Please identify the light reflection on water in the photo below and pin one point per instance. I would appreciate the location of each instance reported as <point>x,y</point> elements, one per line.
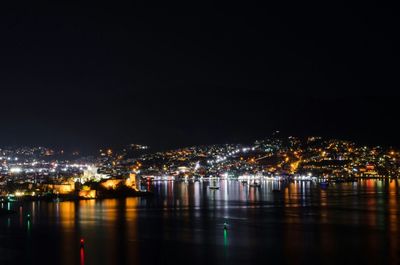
<point>278,222</point>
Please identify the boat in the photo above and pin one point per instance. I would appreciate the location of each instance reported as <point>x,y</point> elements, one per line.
<point>324,184</point>
<point>56,198</point>
<point>213,184</point>
<point>255,184</point>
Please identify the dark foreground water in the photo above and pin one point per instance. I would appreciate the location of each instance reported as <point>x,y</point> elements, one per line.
<point>349,223</point>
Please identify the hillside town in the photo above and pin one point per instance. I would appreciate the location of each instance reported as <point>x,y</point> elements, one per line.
<point>44,173</point>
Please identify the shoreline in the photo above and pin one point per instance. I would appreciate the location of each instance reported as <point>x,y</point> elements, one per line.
<point>71,197</point>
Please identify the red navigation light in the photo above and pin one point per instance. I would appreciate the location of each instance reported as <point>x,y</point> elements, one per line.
<point>82,242</point>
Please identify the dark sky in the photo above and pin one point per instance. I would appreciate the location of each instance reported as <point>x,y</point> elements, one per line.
<point>79,75</point>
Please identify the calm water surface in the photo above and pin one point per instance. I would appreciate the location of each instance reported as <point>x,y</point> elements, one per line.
<point>349,223</point>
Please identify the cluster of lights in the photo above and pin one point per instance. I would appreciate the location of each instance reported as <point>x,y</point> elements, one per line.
<point>224,158</point>
<point>9,158</point>
<point>17,169</point>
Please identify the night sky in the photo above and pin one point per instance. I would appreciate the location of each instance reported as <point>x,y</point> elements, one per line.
<point>83,76</point>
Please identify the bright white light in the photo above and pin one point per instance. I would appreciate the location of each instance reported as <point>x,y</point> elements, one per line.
<point>15,170</point>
